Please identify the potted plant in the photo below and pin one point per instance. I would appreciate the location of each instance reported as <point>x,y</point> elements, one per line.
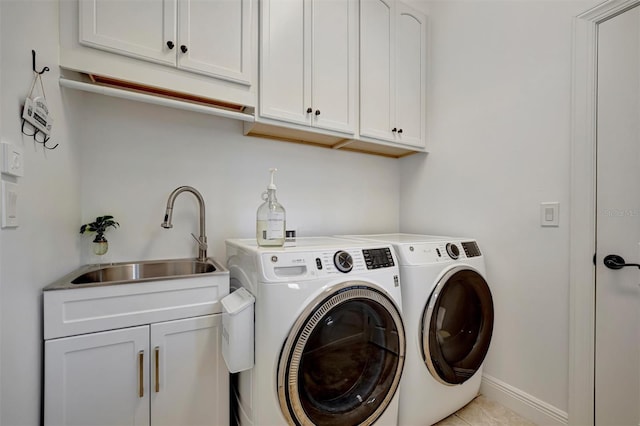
<point>100,226</point>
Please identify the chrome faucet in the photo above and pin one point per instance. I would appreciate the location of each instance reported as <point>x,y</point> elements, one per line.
<point>202,239</point>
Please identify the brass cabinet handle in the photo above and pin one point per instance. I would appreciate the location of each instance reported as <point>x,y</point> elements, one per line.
<point>141,374</point>
<point>157,350</point>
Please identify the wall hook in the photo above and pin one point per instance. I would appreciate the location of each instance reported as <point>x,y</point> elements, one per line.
<point>33,57</point>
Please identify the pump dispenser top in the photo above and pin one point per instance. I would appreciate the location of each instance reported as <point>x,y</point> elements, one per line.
<point>270,218</point>
<point>271,184</point>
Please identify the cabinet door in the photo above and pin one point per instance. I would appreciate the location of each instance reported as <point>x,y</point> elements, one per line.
<point>333,64</point>
<point>189,379</point>
<point>282,70</point>
<point>136,28</point>
<point>97,379</point>
<point>214,38</point>
<point>410,75</point>
<point>377,78</point>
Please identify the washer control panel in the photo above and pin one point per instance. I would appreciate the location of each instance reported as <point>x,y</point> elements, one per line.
<point>378,258</point>
<point>313,264</point>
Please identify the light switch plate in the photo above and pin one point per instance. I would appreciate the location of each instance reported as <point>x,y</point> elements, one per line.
<point>550,214</point>
<point>10,193</point>
<point>12,161</point>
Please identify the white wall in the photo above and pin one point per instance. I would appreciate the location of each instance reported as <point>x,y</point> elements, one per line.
<point>133,155</point>
<point>498,119</point>
<point>45,246</point>
<point>499,142</point>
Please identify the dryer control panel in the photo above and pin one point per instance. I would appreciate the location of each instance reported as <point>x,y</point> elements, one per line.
<point>434,252</point>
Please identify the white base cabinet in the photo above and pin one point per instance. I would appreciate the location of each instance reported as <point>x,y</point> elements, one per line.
<point>167,373</point>
<point>95,378</point>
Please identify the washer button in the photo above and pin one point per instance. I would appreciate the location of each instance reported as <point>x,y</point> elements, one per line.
<point>318,263</point>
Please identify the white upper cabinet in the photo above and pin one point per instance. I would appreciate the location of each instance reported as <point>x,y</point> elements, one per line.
<point>377,73</point>
<point>204,36</point>
<point>214,38</point>
<point>203,49</point>
<point>411,80</point>
<point>392,72</point>
<point>139,29</point>
<point>308,63</point>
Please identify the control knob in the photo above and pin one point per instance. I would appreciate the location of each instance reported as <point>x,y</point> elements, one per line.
<point>343,261</point>
<point>453,251</point>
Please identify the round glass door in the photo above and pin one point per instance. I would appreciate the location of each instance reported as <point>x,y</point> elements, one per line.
<point>342,361</point>
<point>456,326</point>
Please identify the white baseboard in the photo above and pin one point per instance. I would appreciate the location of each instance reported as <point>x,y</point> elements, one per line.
<point>525,405</point>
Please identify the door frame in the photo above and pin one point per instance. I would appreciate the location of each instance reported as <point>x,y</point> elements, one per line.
<point>582,232</point>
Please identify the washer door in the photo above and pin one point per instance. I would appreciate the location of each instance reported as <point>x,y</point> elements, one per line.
<point>342,361</point>
<point>456,325</point>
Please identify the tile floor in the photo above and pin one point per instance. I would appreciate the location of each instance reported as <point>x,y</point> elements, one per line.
<point>484,412</point>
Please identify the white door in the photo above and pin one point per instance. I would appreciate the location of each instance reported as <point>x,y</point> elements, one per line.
<point>214,38</point>
<point>282,61</point>
<point>617,354</point>
<point>143,29</point>
<point>189,379</point>
<point>377,73</point>
<point>333,64</point>
<point>410,75</point>
<point>97,379</point>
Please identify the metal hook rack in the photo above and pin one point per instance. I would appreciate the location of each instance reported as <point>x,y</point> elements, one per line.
<point>33,57</point>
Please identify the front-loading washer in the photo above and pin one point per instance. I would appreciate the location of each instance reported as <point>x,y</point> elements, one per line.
<point>448,315</point>
<point>329,335</point>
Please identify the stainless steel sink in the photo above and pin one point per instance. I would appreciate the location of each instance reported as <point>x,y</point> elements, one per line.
<point>129,272</point>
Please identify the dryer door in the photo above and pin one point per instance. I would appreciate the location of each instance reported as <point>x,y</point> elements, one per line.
<point>456,325</point>
<point>342,361</point>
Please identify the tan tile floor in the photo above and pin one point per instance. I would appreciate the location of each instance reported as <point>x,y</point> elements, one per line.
<point>484,412</point>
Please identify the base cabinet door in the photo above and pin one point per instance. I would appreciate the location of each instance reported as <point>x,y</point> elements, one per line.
<point>189,378</point>
<point>98,379</point>
<point>168,373</point>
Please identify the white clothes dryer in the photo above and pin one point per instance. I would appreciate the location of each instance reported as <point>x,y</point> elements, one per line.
<point>448,315</point>
<point>329,336</point>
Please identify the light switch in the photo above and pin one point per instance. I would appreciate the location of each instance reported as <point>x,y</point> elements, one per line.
<point>12,162</point>
<point>9,204</point>
<point>550,214</point>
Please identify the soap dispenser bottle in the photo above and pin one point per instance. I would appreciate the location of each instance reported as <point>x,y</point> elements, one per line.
<point>270,225</point>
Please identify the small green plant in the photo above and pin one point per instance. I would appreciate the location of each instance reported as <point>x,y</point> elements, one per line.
<point>99,226</point>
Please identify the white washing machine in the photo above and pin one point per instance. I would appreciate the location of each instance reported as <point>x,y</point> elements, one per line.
<point>329,336</point>
<point>448,315</point>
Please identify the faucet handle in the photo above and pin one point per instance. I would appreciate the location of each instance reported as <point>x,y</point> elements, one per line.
<point>201,244</point>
